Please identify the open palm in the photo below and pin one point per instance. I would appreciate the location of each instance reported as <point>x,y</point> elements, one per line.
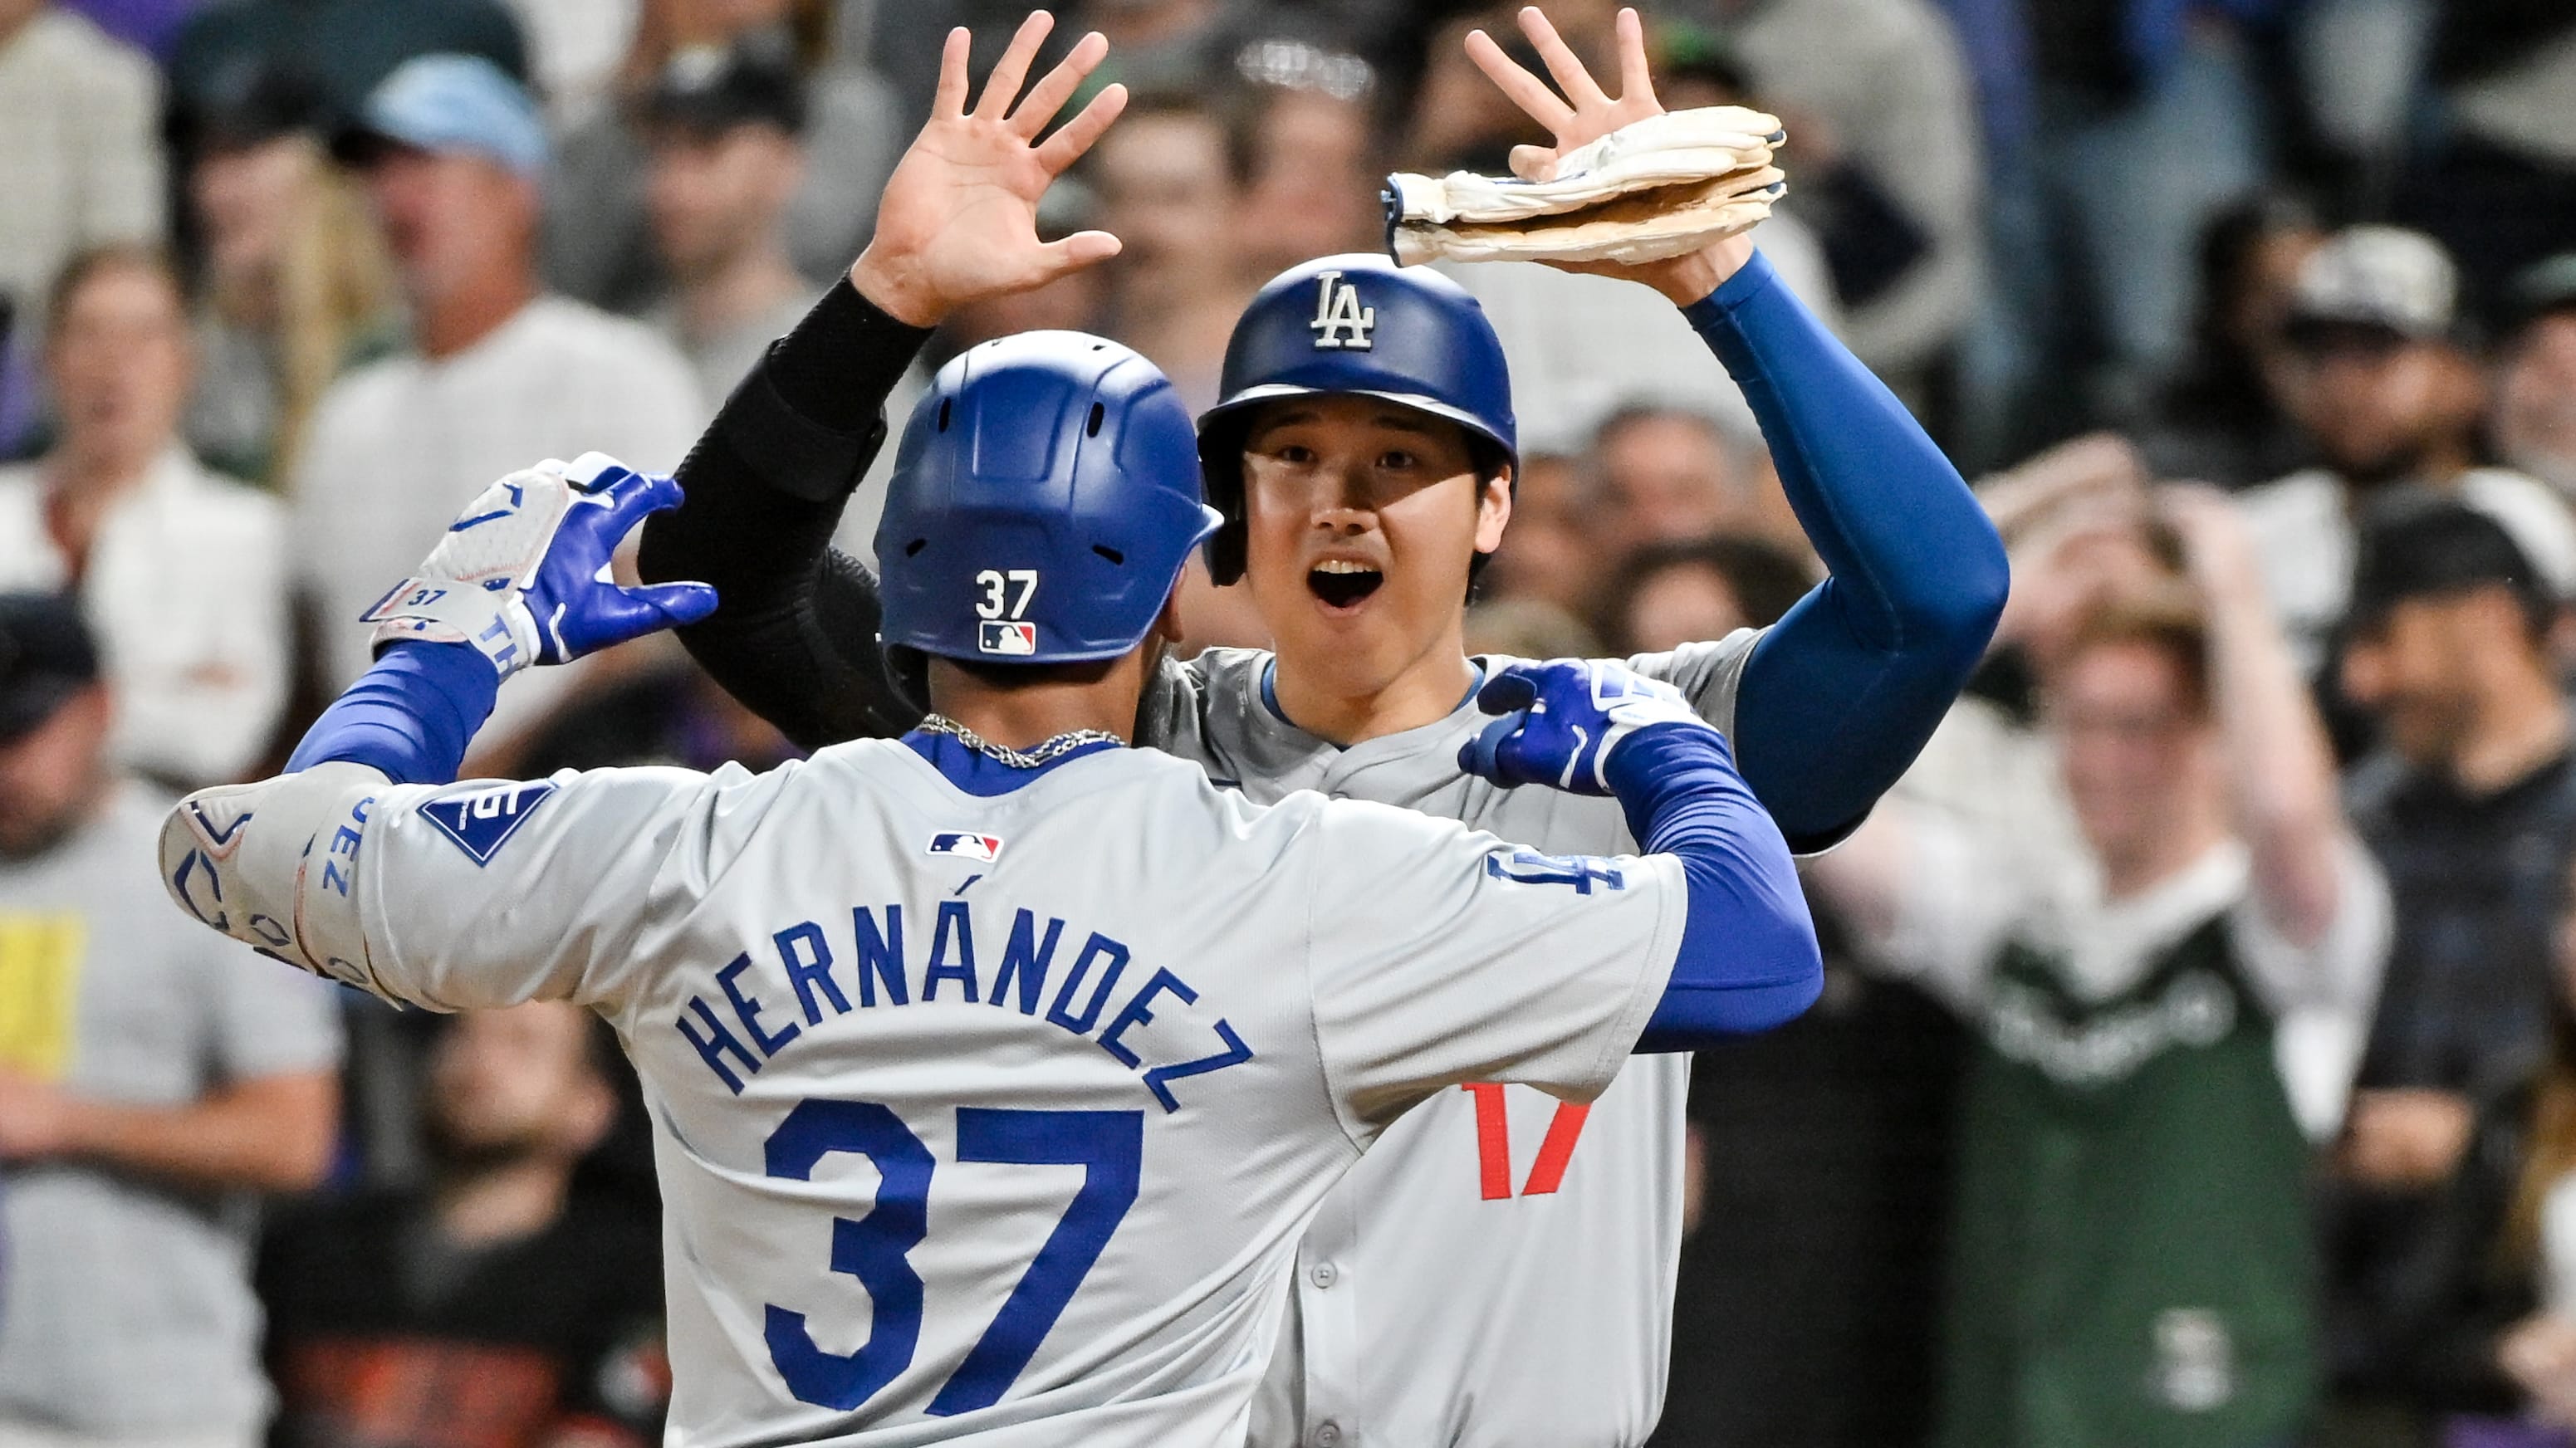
<point>1584,114</point>
<point>958,222</point>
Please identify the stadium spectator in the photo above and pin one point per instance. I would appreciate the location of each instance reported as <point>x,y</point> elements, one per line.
<point>151,1081</point>
<point>498,1306</point>
<point>81,165</point>
<point>2166,1017</point>
<point>2219,419</point>
<point>2521,1171</point>
<point>2391,404</point>
<point>181,571</point>
<point>1168,194</point>
<point>1550,555</point>
<point>599,239</point>
<point>1306,164</point>
<point>1669,594</point>
<point>2472,811</point>
<point>2535,406</point>
<point>296,286</point>
<point>576,48</point>
<point>2482,1349</point>
<point>1661,475</point>
<point>79,153</point>
<point>342,49</point>
<point>496,377</point>
<point>726,162</point>
<point>2147,121</point>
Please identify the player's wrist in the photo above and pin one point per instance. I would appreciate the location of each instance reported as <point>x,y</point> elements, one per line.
<point>1687,280</point>
<point>897,288</point>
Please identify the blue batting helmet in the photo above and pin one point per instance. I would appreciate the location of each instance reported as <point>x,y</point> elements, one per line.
<point>1356,323</point>
<point>1044,500</point>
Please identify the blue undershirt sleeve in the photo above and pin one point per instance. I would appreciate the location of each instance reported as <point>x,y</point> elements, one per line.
<point>410,717</point>
<point>1748,959</point>
<point>1840,694</point>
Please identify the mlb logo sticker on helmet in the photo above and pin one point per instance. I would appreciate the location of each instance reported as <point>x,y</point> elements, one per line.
<point>1002,636</point>
<point>986,848</point>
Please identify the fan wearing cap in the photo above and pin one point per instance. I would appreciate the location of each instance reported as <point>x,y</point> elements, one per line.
<point>726,135</point>
<point>151,1079</point>
<point>1363,456</point>
<point>454,156</point>
<point>2377,379</point>
<point>2471,809</point>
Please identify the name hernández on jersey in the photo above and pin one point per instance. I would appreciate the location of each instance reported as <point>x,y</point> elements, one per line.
<point>817,970</point>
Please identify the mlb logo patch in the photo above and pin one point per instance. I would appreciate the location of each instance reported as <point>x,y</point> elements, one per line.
<point>1002,636</point>
<point>986,848</point>
<point>482,822</point>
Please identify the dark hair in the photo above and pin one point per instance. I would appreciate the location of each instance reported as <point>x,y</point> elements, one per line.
<point>2221,379</point>
<point>1765,578</point>
<point>2443,547</point>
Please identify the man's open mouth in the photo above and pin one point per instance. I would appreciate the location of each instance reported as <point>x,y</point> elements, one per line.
<point>1341,583</point>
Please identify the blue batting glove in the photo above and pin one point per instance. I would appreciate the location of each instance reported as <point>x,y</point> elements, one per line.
<point>1562,720</point>
<point>522,573</point>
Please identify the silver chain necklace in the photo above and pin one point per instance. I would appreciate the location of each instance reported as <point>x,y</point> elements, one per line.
<point>1052,750</point>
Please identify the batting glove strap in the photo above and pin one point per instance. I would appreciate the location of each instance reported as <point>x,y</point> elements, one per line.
<point>1561,722</point>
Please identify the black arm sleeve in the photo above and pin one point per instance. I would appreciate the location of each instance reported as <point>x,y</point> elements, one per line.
<point>794,634</point>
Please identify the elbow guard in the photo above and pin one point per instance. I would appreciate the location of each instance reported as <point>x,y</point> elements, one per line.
<point>271,865</point>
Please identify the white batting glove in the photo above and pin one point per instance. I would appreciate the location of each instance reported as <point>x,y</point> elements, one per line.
<point>522,573</point>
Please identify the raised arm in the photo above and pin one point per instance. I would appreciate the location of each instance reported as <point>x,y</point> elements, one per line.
<point>2281,783</point>
<point>1841,694</point>
<point>518,579</point>
<point>795,640</point>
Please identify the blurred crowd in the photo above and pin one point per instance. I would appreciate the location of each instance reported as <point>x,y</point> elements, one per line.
<point>2219,955</point>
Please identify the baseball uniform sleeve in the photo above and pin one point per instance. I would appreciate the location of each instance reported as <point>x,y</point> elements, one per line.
<point>1708,674</point>
<point>488,893</point>
<point>1439,955</point>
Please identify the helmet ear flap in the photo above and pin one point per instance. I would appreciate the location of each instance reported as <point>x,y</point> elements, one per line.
<point>1225,552</point>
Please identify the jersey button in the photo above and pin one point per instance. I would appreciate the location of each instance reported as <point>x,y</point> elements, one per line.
<point>1327,1434</point>
<point>1323,1274</point>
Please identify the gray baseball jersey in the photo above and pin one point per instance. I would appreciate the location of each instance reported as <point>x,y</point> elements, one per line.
<point>1498,1271</point>
<point>981,1117</point>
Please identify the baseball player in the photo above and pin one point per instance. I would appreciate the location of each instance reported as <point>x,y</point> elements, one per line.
<point>993,1072</point>
<point>1500,1271</point>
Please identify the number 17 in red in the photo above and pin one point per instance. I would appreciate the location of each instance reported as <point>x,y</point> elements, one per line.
<point>1494,1144</point>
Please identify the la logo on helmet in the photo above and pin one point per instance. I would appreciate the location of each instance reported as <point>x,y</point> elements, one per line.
<point>1341,323</point>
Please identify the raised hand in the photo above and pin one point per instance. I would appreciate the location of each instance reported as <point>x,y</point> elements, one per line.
<point>1585,113</point>
<point>958,221</point>
<point>520,573</point>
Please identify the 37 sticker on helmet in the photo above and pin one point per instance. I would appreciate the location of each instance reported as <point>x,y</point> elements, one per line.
<point>482,822</point>
<point>986,848</point>
<point>1341,323</point>
<point>1002,636</point>
<point>1006,592</point>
